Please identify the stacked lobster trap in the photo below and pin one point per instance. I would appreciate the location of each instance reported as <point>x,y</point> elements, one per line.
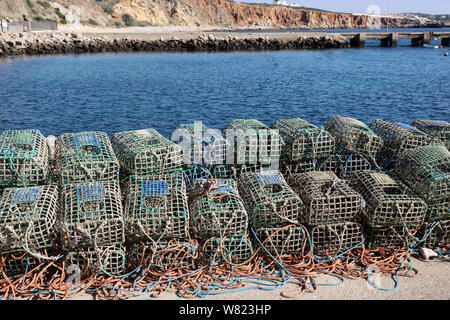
<point>356,145</point>
<point>397,137</point>
<point>91,226</point>
<point>437,129</point>
<point>392,214</point>
<point>331,210</point>
<point>219,221</point>
<point>426,170</point>
<point>274,209</point>
<point>302,145</point>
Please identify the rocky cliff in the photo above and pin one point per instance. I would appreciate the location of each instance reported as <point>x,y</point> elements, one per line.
<point>207,13</point>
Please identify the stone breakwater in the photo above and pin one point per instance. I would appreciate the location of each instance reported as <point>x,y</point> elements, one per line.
<point>57,43</point>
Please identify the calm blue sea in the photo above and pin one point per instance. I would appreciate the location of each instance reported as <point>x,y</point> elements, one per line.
<point>116,92</point>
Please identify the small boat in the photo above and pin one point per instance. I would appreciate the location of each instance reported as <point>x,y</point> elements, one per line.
<point>430,46</point>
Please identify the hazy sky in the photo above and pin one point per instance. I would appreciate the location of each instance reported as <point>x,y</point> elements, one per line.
<point>360,6</point>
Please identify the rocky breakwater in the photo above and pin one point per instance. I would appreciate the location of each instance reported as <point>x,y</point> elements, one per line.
<point>64,43</point>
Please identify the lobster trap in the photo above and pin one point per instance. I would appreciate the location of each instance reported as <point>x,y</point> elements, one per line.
<point>226,250</point>
<point>344,165</point>
<point>195,173</point>
<point>326,199</point>
<point>353,136</point>
<point>144,152</point>
<point>28,218</point>
<point>269,200</point>
<point>289,240</point>
<point>252,142</point>
<point>217,210</point>
<point>20,263</point>
<point>288,168</point>
<point>389,238</point>
<point>156,206</point>
<point>201,145</point>
<point>104,259</point>
<point>234,171</point>
<point>399,137</point>
<point>165,254</point>
<point>336,237</point>
<point>426,170</point>
<point>435,128</point>
<point>302,140</point>
<point>85,156</point>
<point>388,203</point>
<point>92,215</point>
<point>436,234</point>
<point>24,158</point>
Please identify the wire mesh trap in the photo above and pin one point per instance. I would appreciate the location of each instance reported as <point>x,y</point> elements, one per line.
<point>19,263</point>
<point>288,168</point>
<point>302,140</point>
<point>252,142</point>
<point>353,136</point>
<point>86,156</point>
<point>344,165</point>
<point>398,137</point>
<point>436,234</point>
<point>269,200</point>
<point>289,240</point>
<point>201,145</point>
<point>165,254</point>
<point>336,237</point>
<point>144,152</point>
<point>157,206</point>
<point>426,170</point>
<point>234,171</point>
<point>435,128</point>
<point>92,215</point>
<point>217,210</point>
<point>389,238</point>
<point>388,203</point>
<point>24,158</point>
<point>195,173</point>
<point>326,199</point>
<point>226,250</point>
<point>28,218</point>
<point>104,259</point>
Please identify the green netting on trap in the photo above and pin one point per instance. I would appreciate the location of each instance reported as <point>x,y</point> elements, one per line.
<point>325,197</point>
<point>388,203</point>
<point>234,171</point>
<point>435,128</point>
<point>426,170</point>
<point>252,142</point>
<point>156,206</point>
<point>288,168</point>
<point>195,173</point>
<point>104,259</point>
<point>353,136</point>
<point>217,210</point>
<point>336,237</point>
<point>398,137</point>
<point>344,165</point>
<point>165,254</point>
<point>269,200</point>
<point>302,140</point>
<point>92,215</point>
<point>226,250</point>
<point>201,145</point>
<point>389,238</point>
<point>28,218</point>
<point>144,152</point>
<point>24,158</point>
<point>437,234</point>
<point>282,241</point>
<point>20,263</point>
<point>86,156</point>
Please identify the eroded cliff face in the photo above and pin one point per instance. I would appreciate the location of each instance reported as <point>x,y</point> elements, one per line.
<point>208,13</point>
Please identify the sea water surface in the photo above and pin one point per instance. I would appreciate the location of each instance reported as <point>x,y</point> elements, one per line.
<point>117,92</point>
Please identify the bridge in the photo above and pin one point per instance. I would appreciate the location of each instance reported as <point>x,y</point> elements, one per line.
<point>388,39</point>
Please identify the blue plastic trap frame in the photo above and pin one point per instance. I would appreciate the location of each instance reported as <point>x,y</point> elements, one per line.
<point>26,195</point>
<point>264,179</point>
<point>154,188</point>
<point>86,139</point>
<point>90,192</point>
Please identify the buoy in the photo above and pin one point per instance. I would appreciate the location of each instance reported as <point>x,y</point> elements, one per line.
<point>440,47</point>
<point>446,54</point>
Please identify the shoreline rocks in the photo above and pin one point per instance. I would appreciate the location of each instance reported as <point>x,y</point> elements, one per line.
<point>38,43</point>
